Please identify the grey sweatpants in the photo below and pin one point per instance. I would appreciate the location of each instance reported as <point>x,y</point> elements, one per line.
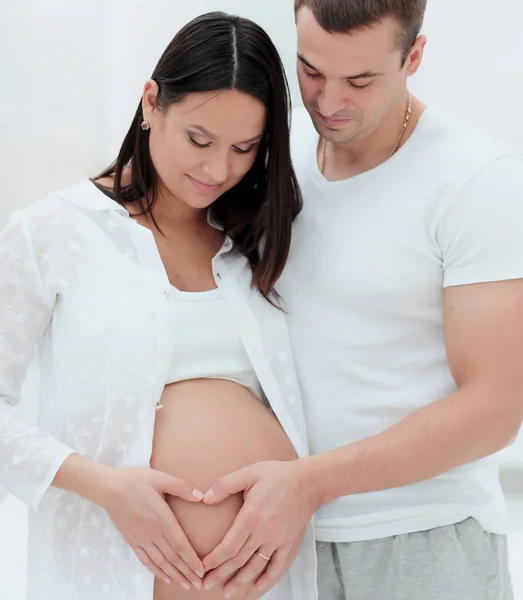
<point>456,562</point>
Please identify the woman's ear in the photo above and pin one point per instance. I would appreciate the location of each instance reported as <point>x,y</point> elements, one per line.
<point>149,100</point>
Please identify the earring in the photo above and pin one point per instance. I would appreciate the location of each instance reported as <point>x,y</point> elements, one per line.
<point>145,125</point>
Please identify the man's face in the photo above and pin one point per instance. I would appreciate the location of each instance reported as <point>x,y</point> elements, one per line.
<point>349,82</point>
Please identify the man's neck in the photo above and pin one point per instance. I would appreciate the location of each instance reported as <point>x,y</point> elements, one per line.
<point>345,160</point>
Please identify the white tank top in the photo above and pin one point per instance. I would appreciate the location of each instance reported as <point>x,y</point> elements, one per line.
<point>208,343</point>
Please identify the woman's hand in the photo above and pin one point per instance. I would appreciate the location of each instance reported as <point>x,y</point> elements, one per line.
<point>134,498</point>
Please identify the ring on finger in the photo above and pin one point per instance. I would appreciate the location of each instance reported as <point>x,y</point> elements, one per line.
<point>267,558</point>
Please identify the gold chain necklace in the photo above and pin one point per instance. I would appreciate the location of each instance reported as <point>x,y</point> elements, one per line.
<point>323,149</point>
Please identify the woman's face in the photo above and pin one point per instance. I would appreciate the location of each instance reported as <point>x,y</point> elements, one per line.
<point>203,146</point>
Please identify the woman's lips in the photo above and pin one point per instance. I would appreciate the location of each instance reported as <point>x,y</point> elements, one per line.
<point>206,188</point>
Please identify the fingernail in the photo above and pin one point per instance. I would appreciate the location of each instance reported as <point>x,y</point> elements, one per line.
<point>197,585</point>
<point>167,581</point>
<point>230,593</point>
<point>186,586</point>
<point>200,574</point>
<point>208,586</point>
<point>197,494</point>
<point>209,495</point>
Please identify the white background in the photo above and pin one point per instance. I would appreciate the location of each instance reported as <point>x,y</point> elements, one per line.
<point>71,74</point>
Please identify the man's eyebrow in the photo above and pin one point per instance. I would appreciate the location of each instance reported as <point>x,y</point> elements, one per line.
<point>256,138</point>
<point>307,63</point>
<point>364,75</point>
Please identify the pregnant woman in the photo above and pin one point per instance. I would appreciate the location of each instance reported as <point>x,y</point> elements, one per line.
<point>164,358</point>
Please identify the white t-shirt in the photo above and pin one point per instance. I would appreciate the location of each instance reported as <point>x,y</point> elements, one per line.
<point>208,343</point>
<point>370,258</point>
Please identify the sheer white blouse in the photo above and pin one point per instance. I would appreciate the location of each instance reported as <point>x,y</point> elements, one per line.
<point>84,283</point>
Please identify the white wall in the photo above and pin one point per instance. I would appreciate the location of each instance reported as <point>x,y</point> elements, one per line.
<point>71,76</point>
<point>50,96</point>
<point>474,63</point>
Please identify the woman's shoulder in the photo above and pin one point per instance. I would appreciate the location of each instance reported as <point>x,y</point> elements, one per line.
<point>65,213</point>
<point>47,213</point>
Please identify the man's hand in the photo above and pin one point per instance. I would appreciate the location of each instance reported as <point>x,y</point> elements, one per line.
<point>279,503</point>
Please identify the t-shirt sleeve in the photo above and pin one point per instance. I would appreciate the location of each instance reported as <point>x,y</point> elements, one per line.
<point>481,233</point>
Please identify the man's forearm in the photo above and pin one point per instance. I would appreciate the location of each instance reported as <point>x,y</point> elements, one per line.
<point>456,430</point>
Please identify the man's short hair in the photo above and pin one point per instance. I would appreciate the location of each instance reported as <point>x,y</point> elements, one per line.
<point>344,16</point>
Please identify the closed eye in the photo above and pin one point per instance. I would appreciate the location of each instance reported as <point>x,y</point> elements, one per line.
<point>209,144</point>
<point>311,75</point>
<point>195,143</point>
<point>242,151</point>
<point>360,87</point>
<point>352,85</point>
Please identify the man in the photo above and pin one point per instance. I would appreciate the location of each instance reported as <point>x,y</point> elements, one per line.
<point>405,299</point>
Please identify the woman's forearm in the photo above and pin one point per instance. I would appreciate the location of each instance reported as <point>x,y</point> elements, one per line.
<point>84,477</point>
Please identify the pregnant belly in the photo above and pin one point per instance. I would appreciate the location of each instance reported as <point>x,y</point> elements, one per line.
<point>208,428</point>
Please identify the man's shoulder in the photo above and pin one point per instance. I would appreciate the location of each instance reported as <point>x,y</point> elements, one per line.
<point>455,143</point>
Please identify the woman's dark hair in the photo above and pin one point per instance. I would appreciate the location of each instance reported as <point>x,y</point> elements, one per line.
<point>217,51</point>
